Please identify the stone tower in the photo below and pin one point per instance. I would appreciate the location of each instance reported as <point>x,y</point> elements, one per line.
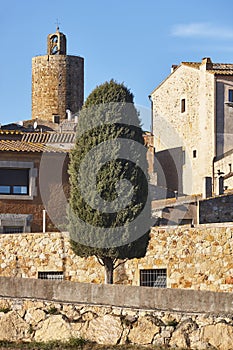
<point>57,81</point>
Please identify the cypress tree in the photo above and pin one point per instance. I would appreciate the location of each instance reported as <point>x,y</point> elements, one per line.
<point>109,210</point>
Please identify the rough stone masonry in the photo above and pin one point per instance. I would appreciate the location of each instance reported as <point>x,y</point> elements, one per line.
<point>34,312</point>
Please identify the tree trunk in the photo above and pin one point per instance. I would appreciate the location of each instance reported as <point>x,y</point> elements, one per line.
<point>109,267</point>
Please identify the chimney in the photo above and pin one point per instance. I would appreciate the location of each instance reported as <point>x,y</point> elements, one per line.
<point>173,67</point>
<point>206,63</point>
<point>69,115</point>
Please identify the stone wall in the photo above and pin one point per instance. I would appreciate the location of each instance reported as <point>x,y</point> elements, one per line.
<point>197,258</point>
<point>216,209</point>
<point>33,310</point>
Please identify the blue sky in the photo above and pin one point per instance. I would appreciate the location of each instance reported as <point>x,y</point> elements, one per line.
<point>131,41</point>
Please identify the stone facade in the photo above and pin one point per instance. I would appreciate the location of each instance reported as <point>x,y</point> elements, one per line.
<point>224,114</point>
<point>191,124</point>
<point>217,209</point>
<point>197,258</point>
<point>57,84</point>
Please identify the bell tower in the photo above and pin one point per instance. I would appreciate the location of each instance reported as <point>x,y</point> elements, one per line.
<point>57,81</point>
<point>56,43</point>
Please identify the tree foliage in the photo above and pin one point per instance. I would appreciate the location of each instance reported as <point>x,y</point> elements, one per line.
<point>109,92</point>
<point>112,190</point>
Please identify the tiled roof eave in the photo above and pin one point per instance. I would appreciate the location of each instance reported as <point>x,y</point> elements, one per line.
<point>22,146</point>
<point>223,72</point>
<point>10,132</point>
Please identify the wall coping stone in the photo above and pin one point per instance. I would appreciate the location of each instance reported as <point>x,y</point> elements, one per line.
<point>179,300</point>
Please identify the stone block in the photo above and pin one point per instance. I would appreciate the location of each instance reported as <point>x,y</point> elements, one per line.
<point>143,331</point>
<point>105,330</point>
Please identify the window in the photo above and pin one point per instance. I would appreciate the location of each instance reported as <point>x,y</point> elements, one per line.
<point>55,39</point>
<point>13,229</point>
<point>194,153</point>
<point>230,95</point>
<point>55,50</point>
<point>17,180</point>
<point>153,278</point>
<point>183,105</point>
<point>50,275</point>
<point>15,223</point>
<point>14,181</point>
<point>56,119</point>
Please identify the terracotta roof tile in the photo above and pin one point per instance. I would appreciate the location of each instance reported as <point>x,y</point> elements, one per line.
<point>217,68</point>
<point>10,132</point>
<point>221,71</point>
<point>22,146</point>
<point>192,64</point>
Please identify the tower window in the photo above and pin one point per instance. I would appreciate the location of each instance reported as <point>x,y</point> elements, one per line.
<point>194,153</point>
<point>183,105</point>
<point>230,95</point>
<point>55,39</point>
<point>55,50</point>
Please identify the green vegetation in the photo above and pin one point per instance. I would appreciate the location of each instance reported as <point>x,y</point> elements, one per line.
<point>73,344</point>
<point>109,92</point>
<point>172,323</point>
<point>5,310</point>
<point>103,210</point>
<point>53,311</point>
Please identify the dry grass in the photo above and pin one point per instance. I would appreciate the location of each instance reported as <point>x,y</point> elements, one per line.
<point>75,344</point>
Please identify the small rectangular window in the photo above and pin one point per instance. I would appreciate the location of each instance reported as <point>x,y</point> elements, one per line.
<point>20,189</point>
<point>12,229</point>
<point>230,95</point>
<point>194,153</point>
<point>5,189</point>
<point>50,275</point>
<point>56,119</point>
<point>153,278</point>
<point>183,105</point>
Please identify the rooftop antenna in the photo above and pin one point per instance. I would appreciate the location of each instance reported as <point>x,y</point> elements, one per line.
<point>57,24</point>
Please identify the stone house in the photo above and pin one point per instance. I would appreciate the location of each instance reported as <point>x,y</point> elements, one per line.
<point>192,126</point>
<point>22,158</point>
